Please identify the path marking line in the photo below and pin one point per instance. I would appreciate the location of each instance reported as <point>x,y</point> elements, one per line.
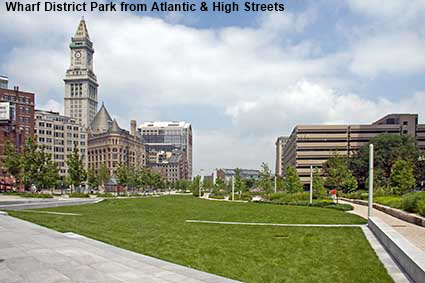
<point>275,224</point>
<point>51,212</point>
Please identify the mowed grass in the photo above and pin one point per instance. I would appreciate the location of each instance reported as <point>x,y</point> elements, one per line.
<point>157,227</point>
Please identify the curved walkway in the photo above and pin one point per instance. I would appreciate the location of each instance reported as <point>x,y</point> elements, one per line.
<point>413,233</point>
<point>31,253</point>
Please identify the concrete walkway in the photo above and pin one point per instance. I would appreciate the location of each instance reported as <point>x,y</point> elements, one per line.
<point>31,253</point>
<point>413,233</point>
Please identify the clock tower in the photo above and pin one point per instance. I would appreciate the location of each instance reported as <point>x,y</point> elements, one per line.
<point>80,81</point>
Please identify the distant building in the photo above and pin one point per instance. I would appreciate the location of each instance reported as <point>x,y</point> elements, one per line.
<point>80,81</point>
<point>168,137</point>
<point>59,135</point>
<point>280,144</point>
<point>110,145</point>
<point>16,118</point>
<point>227,174</point>
<point>312,145</point>
<point>4,82</point>
<point>171,165</point>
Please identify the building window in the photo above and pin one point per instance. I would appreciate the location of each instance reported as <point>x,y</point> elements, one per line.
<point>405,122</point>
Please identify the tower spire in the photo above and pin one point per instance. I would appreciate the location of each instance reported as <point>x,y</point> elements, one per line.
<point>82,31</point>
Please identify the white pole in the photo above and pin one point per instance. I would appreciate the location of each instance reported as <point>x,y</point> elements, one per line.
<point>233,188</point>
<point>311,185</point>
<point>200,181</point>
<point>370,204</point>
<point>275,183</point>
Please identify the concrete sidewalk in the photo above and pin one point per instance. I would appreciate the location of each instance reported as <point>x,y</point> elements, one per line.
<point>31,253</point>
<point>413,233</point>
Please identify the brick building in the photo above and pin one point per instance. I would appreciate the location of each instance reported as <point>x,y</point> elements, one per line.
<point>16,118</point>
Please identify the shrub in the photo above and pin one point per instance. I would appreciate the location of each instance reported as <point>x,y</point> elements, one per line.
<point>216,197</point>
<point>410,201</point>
<point>392,201</point>
<point>105,195</point>
<point>79,195</point>
<point>421,207</point>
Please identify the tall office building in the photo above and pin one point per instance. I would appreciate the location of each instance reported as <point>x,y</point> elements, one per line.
<point>280,144</point>
<point>169,137</point>
<point>313,145</point>
<point>80,81</point>
<point>59,135</point>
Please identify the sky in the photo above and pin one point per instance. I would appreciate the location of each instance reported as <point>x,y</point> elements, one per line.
<point>241,79</point>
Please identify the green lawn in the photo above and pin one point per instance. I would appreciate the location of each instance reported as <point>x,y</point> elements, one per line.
<point>157,227</point>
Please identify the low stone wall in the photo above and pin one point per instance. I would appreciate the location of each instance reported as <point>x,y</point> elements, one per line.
<point>410,258</point>
<point>400,214</point>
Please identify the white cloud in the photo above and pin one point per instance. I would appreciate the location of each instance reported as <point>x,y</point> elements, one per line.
<point>401,53</point>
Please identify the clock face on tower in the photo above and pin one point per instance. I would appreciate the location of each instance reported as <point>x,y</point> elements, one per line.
<point>78,54</point>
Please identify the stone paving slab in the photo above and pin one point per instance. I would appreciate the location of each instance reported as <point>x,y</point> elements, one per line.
<point>32,253</point>
<point>413,233</point>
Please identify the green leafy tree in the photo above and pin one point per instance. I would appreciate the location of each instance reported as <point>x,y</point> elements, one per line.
<point>319,190</point>
<point>220,186</point>
<point>402,178</point>
<point>194,188</point>
<point>280,183</point>
<point>249,183</point>
<point>208,184</point>
<point>265,181</point>
<point>388,149</point>
<point>103,175</point>
<point>238,180</point>
<point>122,173</point>
<point>92,179</point>
<point>51,177</point>
<point>292,180</point>
<point>30,164</point>
<point>13,162</point>
<point>338,175</point>
<point>76,172</point>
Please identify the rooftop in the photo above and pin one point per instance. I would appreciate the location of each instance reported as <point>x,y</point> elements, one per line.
<point>165,124</point>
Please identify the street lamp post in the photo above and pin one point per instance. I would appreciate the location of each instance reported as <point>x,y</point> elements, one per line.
<point>370,198</point>
<point>233,188</point>
<point>311,185</point>
<point>201,183</point>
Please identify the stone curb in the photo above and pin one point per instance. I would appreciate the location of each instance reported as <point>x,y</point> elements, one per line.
<point>408,256</point>
<point>398,213</point>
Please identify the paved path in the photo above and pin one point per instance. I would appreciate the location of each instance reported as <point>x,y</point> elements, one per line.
<point>31,253</point>
<point>414,233</point>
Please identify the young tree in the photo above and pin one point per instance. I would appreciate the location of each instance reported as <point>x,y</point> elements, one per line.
<point>51,175</point>
<point>103,175</point>
<point>292,181</point>
<point>338,175</point>
<point>402,177</point>
<point>76,172</point>
<point>319,189</point>
<point>13,162</point>
<point>30,164</point>
<point>238,180</point>
<point>196,183</point>
<point>122,173</point>
<point>92,179</point>
<point>280,183</point>
<point>265,181</point>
